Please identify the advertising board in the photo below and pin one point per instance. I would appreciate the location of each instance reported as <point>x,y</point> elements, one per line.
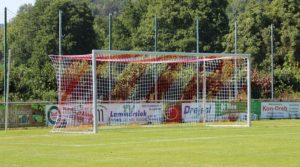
<point>280,110</point>
<point>123,113</point>
<point>193,112</point>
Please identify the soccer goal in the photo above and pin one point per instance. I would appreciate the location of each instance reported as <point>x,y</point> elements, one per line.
<point>151,88</point>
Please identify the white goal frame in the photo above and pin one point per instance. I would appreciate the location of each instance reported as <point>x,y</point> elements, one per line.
<point>95,101</point>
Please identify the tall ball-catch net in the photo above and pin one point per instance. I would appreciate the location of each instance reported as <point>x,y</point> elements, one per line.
<point>126,87</point>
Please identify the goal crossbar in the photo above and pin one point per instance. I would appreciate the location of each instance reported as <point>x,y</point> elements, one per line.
<point>117,52</point>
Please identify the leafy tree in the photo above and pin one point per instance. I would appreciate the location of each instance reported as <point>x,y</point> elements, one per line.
<point>40,38</point>
<point>254,37</point>
<point>286,16</point>
<point>236,7</point>
<point>253,33</point>
<point>101,9</point>
<point>21,32</point>
<point>176,24</point>
<point>101,30</point>
<point>104,7</point>
<point>33,34</point>
<point>127,23</point>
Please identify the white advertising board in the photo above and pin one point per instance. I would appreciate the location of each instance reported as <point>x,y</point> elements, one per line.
<point>193,112</point>
<point>117,113</point>
<point>120,113</point>
<point>280,110</point>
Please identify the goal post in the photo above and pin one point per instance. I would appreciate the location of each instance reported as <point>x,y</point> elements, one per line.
<point>135,87</point>
<point>94,108</point>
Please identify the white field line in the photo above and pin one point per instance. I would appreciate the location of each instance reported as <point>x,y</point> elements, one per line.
<point>190,139</point>
<point>25,137</point>
<point>149,129</point>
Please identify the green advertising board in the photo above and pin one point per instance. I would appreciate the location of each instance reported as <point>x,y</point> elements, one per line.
<point>256,107</point>
<point>230,107</point>
<point>223,108</point>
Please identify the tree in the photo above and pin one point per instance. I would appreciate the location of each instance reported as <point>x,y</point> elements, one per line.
<point>254,33</point>
<point>40,38</point>
<point>176,24</point>
<point>22,31</point>
<point>104,7</point>
<point>285,16</point>
<point>254,38</point>
<point>127,23</point>
<point>101,9</point>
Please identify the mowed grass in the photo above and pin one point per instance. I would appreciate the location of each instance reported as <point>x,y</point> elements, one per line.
<point>266,143</point>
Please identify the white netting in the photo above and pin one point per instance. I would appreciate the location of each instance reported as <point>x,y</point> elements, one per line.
<point>151,88</point>
<point>75,93</point>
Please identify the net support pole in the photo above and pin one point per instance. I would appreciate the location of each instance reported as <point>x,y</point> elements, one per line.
<point>7,91</point>
<point>60,32</point>
<point>94,108</point>
<point>204,91</point>
<point>155,49</point>
<point>109,31</point>
<point>249,92</point>
<point>197,66</point>
<point>109,47</point>
<point>235,63</point>
<point>155,33</point>
<point>59,51</point>
<point>197,35</point>
<point>5,66</point>
<point>272,63</point>
<point>5,52</point>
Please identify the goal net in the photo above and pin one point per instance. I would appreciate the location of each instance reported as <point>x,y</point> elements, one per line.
<point>128,87</point>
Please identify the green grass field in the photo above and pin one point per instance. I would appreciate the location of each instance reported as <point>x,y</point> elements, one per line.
<point>266,143</point>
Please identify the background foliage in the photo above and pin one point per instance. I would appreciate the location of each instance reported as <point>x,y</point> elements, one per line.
<point>33,35</point>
